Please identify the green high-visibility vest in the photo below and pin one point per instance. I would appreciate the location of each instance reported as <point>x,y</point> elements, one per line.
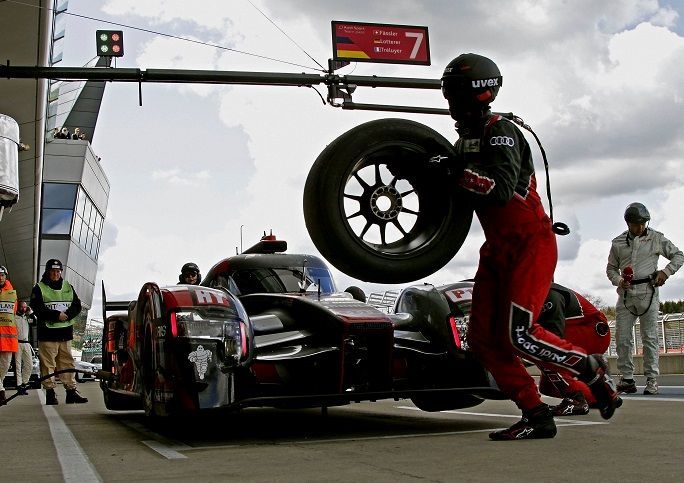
<point>57,300</point>
<point>8,300</point>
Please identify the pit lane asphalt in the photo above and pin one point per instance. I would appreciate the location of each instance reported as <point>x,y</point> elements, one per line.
<point>383,441</point>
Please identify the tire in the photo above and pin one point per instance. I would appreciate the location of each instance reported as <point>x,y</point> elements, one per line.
<point>432,403</point>
<point>381,206</point>
<point>357,293</point>
<point>148,378</point>
<point>117,402</point>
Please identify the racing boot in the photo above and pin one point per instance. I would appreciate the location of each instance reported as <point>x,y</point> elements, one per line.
<point>536,423</point>
<point>598,378</point>
<point>50,397</point>
<point>3,399</point>
<point>575,405</point>
<point>73,397</point>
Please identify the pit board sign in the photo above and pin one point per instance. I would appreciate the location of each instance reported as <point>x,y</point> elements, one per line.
<point>374,42</point>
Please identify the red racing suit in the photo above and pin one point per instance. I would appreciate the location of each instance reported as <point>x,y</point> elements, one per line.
<point>517,262</point>
<point>567,314</point>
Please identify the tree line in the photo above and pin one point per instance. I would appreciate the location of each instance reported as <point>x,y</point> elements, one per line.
<point>666,307</point>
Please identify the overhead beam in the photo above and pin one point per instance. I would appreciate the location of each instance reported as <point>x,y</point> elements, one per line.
<point>338,85</point>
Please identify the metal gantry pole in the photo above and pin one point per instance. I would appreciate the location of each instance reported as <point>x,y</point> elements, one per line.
<point>339,87</point>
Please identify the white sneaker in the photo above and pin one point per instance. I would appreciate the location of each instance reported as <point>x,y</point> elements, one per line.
<point>651,387</point>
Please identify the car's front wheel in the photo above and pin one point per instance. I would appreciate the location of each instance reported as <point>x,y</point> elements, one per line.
<point>434,403</point>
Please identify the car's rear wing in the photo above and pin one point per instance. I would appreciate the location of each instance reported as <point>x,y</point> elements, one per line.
<point>112,306</point>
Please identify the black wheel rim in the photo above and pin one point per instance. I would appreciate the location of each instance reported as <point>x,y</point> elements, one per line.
<point>391,201</point>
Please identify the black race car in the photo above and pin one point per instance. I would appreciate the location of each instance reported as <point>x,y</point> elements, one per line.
<point>267,328</point>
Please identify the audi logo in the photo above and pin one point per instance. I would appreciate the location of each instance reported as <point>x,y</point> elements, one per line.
<point>501,141</point>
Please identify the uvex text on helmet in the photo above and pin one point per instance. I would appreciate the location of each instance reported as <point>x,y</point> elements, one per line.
<point>471,79</point>
<point>637,213</point>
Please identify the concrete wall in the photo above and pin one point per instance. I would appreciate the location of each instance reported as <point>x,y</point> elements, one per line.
<point>669,364</point>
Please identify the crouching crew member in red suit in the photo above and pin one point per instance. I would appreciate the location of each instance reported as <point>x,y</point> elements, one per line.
<point>572,317</point>
<point>518,257</point>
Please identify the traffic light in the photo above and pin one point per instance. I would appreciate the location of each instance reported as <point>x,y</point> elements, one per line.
<point>109,43</point>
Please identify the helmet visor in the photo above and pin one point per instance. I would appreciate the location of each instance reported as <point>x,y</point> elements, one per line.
<point>460,85</point>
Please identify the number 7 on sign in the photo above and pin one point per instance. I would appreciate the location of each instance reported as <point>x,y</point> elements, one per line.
<point>419,40</point>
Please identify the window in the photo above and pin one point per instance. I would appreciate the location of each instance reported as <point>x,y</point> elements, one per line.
<point>88,222</point>
<point>58,208</point>
<point>56,222</point>
<point>67,210</point>
<point>59,195</point>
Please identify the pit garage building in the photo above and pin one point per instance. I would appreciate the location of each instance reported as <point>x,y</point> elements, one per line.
<point>63,189</point>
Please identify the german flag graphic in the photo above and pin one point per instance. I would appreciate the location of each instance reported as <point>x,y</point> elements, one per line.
<point>346,48</point>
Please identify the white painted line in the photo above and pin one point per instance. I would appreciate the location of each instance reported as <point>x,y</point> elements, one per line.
<point>658,398</point>
<point>75,464</point>
<point>168,448</point>
<point>345,440</point>
<point>166,451</point>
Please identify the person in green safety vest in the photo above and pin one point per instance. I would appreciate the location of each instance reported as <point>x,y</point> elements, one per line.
<point>8,328</point>
<point>55,304</point>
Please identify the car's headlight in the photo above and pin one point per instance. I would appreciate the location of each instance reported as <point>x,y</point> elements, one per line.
<point>231,331</point>
<point>192,324</point>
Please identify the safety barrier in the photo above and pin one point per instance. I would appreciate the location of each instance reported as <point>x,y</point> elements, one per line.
<point>383,301</point>
<point>670,335</point>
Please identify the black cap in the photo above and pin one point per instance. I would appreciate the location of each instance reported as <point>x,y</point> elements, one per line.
<point>53,263</point>
<point>3,269</point>
<point>190,267</point>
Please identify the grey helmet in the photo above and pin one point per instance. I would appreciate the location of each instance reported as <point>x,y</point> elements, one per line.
<point>637,213</point>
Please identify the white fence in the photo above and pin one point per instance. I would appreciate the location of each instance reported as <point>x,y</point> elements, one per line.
<point>383,301</point>
<point>670,335</point>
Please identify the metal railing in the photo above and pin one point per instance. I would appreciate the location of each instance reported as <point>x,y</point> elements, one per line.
<point>670,335</point>
<point>384,301</point>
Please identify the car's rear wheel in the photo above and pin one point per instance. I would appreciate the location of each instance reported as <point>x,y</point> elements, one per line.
<point>380,205</point>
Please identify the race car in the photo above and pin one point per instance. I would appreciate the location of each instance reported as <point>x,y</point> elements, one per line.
<point>267,328</point>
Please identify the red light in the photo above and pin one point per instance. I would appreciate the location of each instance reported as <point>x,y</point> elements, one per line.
<point>115,37</point>
<point>174,325</point>
<point>454,331</point>
<point>243,340</point>
<point>116,49</point>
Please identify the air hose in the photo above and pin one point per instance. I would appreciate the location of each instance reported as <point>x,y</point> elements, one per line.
<point>559,228</point>
<point>99,374</point>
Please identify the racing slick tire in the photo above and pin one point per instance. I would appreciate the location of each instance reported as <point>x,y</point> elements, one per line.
<point>434,403</point>
<point>148,378</point>
<point>380,203</point>
<point>117,402</point>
